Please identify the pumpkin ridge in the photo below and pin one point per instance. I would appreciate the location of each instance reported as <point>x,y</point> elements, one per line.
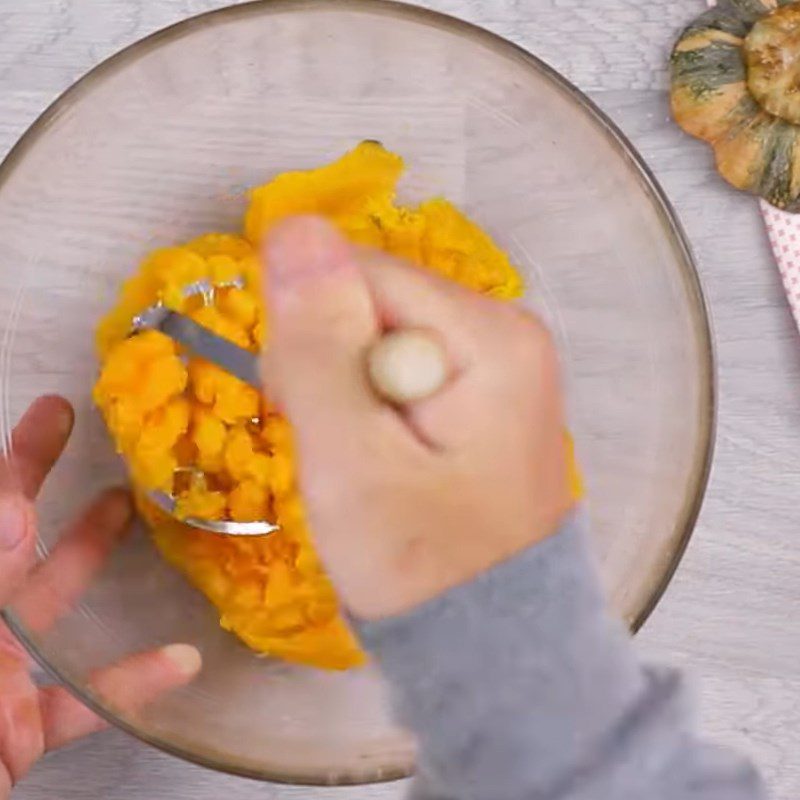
<point>704,37</point>
<point>725,16</point>
<point>751,11</point>
<point>775,179</point>
<point>706,68</point>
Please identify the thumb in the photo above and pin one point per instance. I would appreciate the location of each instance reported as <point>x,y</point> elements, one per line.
<point>17,543</point>
<point>321,322</point>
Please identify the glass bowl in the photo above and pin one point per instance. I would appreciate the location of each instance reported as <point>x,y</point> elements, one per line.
<point>160,143</point>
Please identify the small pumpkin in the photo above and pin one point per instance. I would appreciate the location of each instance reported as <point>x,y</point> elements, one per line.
<point>735,82</point>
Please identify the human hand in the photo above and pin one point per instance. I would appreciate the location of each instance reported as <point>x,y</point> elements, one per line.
<point>408,502</point>
<point>34,720</point>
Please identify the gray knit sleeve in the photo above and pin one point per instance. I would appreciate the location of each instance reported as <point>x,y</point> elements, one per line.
<point>519,686</point>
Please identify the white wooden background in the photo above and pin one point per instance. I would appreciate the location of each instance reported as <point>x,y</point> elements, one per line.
<point>730,616</point>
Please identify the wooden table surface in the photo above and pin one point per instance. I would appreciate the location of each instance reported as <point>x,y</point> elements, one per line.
<point>730,615</point>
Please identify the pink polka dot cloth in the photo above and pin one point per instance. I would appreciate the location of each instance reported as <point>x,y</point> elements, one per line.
<point>783,230</point>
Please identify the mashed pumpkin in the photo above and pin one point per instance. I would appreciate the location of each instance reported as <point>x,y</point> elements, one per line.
<point>186,427</point>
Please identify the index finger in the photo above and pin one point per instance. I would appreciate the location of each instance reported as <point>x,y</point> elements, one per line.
<point>36,443</point>
<point>56,584</point>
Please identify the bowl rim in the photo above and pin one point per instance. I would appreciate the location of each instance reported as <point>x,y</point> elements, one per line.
<point>701,468</point>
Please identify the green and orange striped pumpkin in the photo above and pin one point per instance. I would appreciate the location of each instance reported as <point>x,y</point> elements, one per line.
<point>735,82</point>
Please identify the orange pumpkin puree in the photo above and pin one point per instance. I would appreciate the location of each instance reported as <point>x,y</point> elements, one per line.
<point>165,412</point>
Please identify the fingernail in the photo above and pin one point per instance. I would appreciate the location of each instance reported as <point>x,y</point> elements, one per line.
<point>301,249</point>
<point>59,412</point>
<point>13,522</point>
<point>65,419</point>
<point>117,510</point>
<point>185,657</point>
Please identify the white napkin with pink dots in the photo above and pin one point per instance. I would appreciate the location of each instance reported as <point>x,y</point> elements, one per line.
<point>783,230</point>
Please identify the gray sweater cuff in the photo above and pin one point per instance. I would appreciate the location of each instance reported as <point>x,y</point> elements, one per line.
<point>527,641</point>
<point>519,686</point>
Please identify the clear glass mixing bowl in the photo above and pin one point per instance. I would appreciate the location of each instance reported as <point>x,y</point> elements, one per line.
<point>160,142</point>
